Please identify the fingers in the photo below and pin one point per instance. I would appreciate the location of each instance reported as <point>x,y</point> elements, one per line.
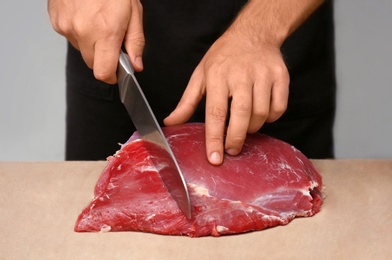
<point>240,114</point>
<point>279,96</point>
<point>252,107</point>
<point>106,59</point>
<point>216,113</point>
<point>261,104</point>
<point>107,50</point>
<point>134,40</point>
<point>193,94</point>
<point>102,56</point>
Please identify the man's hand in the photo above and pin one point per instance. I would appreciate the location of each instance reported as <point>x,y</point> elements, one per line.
<point>245,65</point>
<point>254,76</point>
<point>98,28</point>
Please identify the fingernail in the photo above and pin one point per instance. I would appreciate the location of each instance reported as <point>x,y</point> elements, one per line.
<point>215,158</point>
<point>232,151</point>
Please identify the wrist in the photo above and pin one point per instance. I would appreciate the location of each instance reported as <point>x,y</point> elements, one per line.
<point>272,21</point>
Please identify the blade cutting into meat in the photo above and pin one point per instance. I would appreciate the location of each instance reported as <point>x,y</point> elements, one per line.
<point>268,184</point>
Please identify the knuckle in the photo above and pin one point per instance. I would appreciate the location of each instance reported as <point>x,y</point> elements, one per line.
<point>215,68</point>
<point>79,28</point>
<point>214,142</point>
<point>261,114</point>
<point>57,28</point>
<point>236,140</point>
<point>215,139</point>
<point>257,120</point>
<point>280,108</point>
<point>281,71</point>
<point>240,108</point>
<point>104,76</point>
<point>218,113</point>
<point>60,26</point>
<point>138,39</point>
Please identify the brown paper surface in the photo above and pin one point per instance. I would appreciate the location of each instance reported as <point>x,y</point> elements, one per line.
<point>40,201</point>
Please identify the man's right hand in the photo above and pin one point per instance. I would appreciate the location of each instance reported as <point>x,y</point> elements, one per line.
<point>98,28</point>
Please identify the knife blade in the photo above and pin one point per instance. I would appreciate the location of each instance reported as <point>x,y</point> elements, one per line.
<point>147,125</point>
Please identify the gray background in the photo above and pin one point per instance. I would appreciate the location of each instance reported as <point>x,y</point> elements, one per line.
<point>32,81</point>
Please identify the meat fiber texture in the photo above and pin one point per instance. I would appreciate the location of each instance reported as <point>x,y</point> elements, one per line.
<point>268,184</point>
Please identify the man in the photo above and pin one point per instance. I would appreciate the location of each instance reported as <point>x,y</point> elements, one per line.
<point>228,51</point>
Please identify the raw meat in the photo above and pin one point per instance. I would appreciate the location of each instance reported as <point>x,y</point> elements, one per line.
<point>268,184</point>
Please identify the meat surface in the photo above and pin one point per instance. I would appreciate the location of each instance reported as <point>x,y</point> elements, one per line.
<point>268,184</point>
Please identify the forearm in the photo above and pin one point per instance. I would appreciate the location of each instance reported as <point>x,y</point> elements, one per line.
<point>272,21</point>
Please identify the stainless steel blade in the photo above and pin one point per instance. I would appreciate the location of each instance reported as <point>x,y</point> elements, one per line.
<point>146,124</point>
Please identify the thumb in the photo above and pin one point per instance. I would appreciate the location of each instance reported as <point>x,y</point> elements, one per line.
<point>134,38</point>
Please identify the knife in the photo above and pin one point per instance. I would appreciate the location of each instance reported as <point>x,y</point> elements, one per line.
<point>147,125</point>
